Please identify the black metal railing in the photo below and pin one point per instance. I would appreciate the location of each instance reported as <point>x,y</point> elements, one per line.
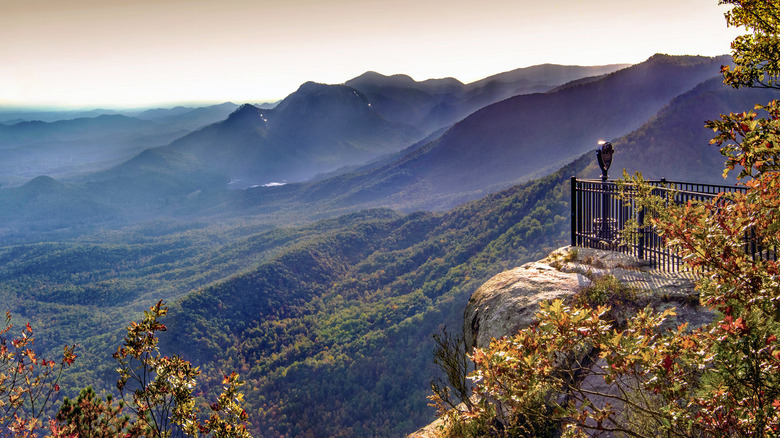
<point>599,217</point>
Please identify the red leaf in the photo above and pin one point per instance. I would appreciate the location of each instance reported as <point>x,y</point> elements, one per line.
<point>667,363</point>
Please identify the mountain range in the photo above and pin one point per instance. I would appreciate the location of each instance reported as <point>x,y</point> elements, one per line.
<point>437,103</point>
<point>316,129</point>
<point>522,137</point>
<point>319,128</point>
<point>69,147</point>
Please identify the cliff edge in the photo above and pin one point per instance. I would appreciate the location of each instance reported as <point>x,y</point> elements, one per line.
<point>509,301</point>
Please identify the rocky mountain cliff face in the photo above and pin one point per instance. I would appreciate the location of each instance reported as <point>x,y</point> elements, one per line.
<point>508,302</point>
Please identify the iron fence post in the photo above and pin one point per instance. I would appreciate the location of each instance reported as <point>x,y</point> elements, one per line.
<point>573,211</point>
<point>641,243</point>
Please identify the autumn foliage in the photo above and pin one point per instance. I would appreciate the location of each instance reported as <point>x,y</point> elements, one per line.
<point>158,389</point>
<point>29,384</point>
<point>156,392</point>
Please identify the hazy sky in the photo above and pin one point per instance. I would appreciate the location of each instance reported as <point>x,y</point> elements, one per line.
<point>113,53</point>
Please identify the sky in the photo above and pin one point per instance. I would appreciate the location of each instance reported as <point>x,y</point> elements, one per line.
<point>137,53</point>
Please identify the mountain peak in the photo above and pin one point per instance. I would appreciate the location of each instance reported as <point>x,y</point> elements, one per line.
<point>246,112</point>
<point>372,77</point>
<point>246,107</point>
<point>311,86</point>
<point>662,58</point>
<point>42,184</point>
<point>315,99</point>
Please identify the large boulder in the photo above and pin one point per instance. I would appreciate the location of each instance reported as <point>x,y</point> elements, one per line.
<point>508,302</point>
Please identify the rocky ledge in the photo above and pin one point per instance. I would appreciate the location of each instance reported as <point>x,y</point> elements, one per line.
<point>508,302</point>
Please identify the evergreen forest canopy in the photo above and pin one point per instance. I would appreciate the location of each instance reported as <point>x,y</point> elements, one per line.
<point>327,320</point>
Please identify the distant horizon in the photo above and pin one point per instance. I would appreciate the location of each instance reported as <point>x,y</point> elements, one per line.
<point>148,53</point>
<point>198,104</point>
<point>160,105</point>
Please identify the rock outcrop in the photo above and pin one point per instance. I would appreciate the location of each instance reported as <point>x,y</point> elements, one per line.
<point>508,302</point>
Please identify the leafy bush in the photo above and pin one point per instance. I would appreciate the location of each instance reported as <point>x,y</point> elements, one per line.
<point>160,391</point>
<point>622,300</point>
<point>29,384</point>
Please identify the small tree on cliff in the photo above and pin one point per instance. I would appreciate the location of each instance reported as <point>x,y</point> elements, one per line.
<point>722,379</point>
<point>158,391</point>
<point>29,383</point>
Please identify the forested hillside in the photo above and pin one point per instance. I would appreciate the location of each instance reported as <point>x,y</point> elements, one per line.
<point>334,335</point>
<point>436,103</point>
<point>330,324</point>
